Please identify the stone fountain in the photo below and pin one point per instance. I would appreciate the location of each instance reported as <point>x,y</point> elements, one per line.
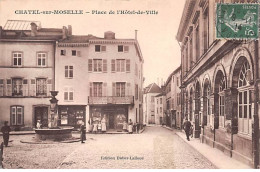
<point>54,132</point>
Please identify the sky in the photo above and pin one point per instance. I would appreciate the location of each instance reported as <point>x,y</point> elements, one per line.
<point>156,32</point>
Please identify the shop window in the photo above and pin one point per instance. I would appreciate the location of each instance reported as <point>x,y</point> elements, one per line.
<point>17,115</point>
<point>41,87</point>
<point>41,59</point>
<point>17,59</point>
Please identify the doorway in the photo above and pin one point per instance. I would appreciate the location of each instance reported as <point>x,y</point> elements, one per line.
<point>41,113</point>
<point>111,121</point>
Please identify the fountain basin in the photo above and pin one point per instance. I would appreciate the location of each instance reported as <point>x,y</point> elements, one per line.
<point>54,133</point>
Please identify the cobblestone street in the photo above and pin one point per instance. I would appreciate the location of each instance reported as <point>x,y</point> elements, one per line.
<point>156,147</point>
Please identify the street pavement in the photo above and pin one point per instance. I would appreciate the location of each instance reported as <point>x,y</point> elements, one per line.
<point>155,148</point>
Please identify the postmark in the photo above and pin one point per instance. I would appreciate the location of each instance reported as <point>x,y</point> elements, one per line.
<point>237,21</point>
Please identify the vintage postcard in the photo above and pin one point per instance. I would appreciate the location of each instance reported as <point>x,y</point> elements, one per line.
<point>129,84</point>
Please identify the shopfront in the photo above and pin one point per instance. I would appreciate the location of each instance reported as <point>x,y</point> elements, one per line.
<point>72,115</point>
<point>114,116</point>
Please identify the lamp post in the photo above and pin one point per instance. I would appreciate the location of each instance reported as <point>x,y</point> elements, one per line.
<point>54,107</point>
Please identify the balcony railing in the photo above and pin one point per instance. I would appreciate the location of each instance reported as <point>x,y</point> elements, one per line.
<point>111,100</point>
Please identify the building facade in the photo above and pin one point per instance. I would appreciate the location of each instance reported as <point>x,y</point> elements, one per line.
<point>24,95</point>
<point>160,108</point>
<point>173,97</point>
<point>149,94</point>
<point>99,78</point>
<point>219,84</point>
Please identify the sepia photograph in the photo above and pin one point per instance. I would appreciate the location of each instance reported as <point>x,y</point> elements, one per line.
<point>129,84</point>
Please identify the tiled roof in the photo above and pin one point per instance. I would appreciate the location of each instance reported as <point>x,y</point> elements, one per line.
<point>152,88</point>
<point>20,24</point>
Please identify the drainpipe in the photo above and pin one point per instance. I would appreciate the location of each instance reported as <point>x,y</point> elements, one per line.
<point>256,101</point>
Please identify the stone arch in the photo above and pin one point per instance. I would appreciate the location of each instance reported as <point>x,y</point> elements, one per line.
<point>216,75</point>
<point>239,57</point>
<point>206,99</point>
<point>241,91</point>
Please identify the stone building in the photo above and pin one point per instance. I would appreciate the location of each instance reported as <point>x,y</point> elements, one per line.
<point>220,80</point>
<point>173,97</point>
<point>99,78</point>
<point>160,108</point>
<point>149,94</point>
<point>27,76</point>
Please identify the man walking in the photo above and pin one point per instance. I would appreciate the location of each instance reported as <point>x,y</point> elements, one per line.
<point>6,130</point>
<point>187,126</point>
<point>82,133</point>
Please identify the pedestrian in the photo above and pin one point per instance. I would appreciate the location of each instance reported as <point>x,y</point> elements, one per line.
<point>99,127</point>
<point>191,131</point>
<point>187,126</point>
<point>130,127</point>
<point>137,127</point>
<point>95,127</point>
<point>103,125</point>
<point>6,130</point>
<point>39,124</point>
<point>125,126</point>
<point>1,155</point>
<point>82,132</point>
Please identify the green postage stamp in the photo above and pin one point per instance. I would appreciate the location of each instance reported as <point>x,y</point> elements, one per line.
<point>237,21</point>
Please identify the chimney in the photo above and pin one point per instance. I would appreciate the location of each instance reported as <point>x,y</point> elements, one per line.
<point>109,35</point>
<point>33,29</point>
<point>161,82</point>
<point>69,30</point>
<point>136,34</point>
<point>64,32</point>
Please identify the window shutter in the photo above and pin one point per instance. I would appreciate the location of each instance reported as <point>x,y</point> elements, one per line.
<point>8,87</point>
<point>90,65</point>
<point>104,87</point>
<point>13,115</point>
<point>104,65</point>
<point>128,85</point>
<point>126,48</point>
<point>78,54</point>
<point>103,48</point>
<point>49,87</point>
<point>1,87</point>
<point>32,90</point>
<point>113,89</point>
<point>113,65</point>
<point>128,65</point>
<point>25,87</point>
<point>90,89</point>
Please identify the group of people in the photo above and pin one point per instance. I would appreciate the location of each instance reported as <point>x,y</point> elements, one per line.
<point>100,126</point>
<point>188,128</point>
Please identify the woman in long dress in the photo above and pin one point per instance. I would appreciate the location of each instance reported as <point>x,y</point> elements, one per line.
<point>103,125</point>
<point>130,127</point>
